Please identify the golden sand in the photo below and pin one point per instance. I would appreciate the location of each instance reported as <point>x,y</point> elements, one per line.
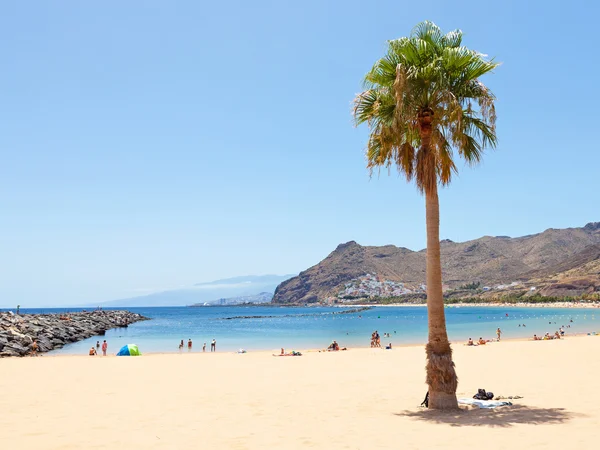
<point>358,399</point>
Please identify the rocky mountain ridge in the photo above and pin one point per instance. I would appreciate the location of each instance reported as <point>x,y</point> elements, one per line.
<point>489,260</point>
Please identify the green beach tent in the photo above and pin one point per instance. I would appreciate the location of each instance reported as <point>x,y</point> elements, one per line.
<point>129,350</point>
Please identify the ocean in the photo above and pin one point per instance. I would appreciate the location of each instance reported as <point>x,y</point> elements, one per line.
<point>293,328</point>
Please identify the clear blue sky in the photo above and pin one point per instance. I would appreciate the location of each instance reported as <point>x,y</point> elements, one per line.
<point>150,145</point>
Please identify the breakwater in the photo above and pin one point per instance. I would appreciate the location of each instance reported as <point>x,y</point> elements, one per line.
<point>24,334</point>
<point>345,311</point>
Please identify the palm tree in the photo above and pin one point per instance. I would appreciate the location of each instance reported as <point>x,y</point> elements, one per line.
<point>422,102</point>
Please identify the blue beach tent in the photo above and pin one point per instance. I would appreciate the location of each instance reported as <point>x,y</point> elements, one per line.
<point>129,350</point>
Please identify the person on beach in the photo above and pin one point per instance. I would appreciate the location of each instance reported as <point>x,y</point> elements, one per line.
<point>481,341</point>
<point>204,347</point>
<point>498,333</point>
<point>34,348</point>
<point>189,345</point>
<point>93,352</point>
<point>181,345</point>
<point>213,346</point>
<point>470,342</point>
<point>97,346</point>
<point>556,335</point>
<point>104,347</point>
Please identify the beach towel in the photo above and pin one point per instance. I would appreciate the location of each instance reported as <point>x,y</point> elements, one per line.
<point>485,404</point>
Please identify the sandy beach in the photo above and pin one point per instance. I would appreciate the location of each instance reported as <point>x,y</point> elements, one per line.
<point>358,399</point>
<point>568,305</point>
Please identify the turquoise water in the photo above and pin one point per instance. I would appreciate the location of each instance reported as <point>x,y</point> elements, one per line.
<point>301,328</point>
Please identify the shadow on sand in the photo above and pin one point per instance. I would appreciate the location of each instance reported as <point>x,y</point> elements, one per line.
<point>503,417</point>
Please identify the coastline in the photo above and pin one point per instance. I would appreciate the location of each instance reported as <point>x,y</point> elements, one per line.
<point>301,349</point>
<point>567,305</point>
<point>303,328</point>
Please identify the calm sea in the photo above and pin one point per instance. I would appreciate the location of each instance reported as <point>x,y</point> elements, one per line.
<point>301,328</point>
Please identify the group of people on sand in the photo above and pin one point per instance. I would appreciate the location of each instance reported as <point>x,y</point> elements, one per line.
<point>548,337</point>
<point>481,341</point>
<point>375,340</point>
<point>94,351</point>
<point>292,353</point>
<point>213,346</point>
<point>335,347</point>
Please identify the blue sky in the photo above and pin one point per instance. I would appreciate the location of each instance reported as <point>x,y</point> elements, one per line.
<point>150,145</point>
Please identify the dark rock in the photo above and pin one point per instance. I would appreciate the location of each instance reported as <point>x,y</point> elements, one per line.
<point>51,331</point>
<point>44,345</point>
<point>592,226</point>
<point>13,346</point>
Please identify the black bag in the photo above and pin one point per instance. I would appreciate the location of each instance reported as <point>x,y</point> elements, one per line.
<point>426,401</point>
<point>483,395</point>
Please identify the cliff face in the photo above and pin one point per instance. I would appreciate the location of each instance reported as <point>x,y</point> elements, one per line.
<point>487,260</point>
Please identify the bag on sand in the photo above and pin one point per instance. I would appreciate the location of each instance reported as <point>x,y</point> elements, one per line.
<point>425,402</point>
<point>483,395</point>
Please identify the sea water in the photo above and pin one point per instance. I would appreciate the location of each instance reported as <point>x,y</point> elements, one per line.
<point>294,328</point>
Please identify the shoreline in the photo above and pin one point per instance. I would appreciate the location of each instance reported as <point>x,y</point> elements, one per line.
<point>558,305</point>
<point>268,352</point>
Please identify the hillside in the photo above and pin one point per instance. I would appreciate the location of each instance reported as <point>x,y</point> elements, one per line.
<point>490,261</point>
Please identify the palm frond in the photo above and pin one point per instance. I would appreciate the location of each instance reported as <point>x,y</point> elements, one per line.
<point>422,101</point>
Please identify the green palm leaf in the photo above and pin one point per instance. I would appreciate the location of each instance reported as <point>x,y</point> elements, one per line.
<point>428,71</point>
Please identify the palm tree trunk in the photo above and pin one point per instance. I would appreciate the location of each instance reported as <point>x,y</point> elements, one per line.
<point>441,376</point>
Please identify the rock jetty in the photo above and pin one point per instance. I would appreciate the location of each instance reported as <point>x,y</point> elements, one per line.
<point>346,311</point>
<point>51,331</point>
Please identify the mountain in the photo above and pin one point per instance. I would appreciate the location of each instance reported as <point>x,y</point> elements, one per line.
<point>489,261</point>
<point>209,292</point>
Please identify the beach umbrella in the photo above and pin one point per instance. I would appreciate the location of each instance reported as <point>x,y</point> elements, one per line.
<point>129,350</point>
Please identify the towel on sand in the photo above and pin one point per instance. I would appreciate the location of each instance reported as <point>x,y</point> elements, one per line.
<point>487,404</point>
